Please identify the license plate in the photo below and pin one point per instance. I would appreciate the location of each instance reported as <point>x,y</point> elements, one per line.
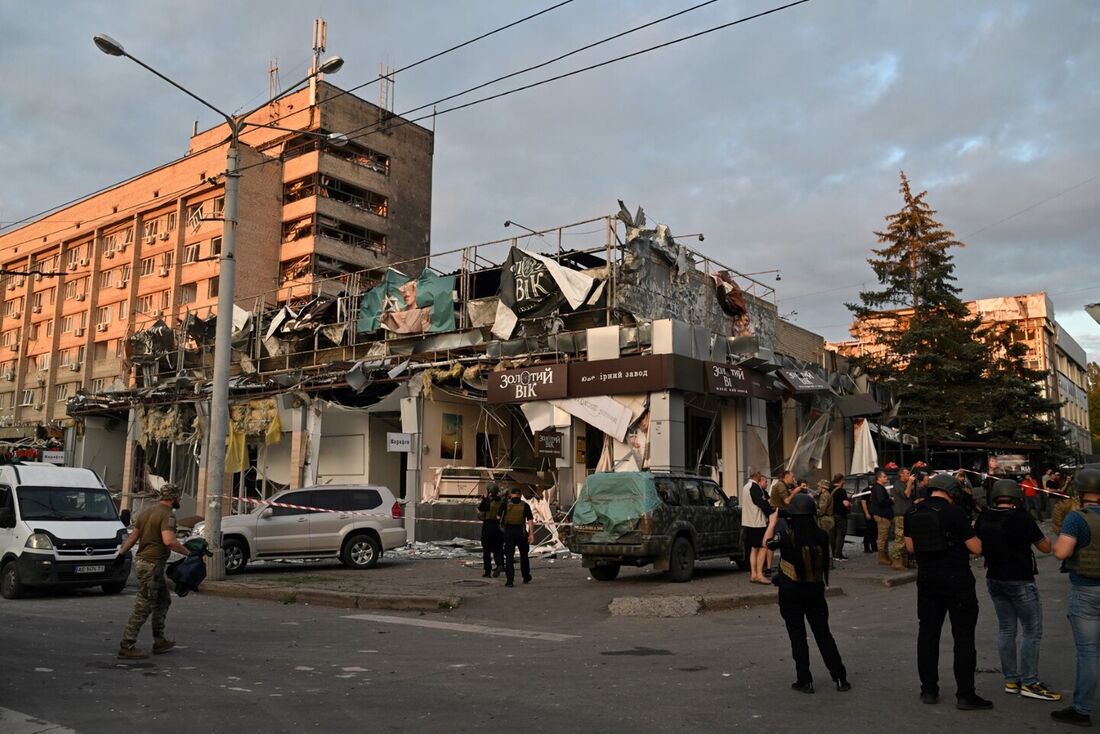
<point>91,569</point>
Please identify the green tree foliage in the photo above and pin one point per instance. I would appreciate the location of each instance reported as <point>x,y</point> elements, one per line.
<point>933,358</point>
<point>1094,405</point>
<point>955,379</point>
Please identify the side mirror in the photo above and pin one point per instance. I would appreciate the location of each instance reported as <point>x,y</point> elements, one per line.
<point>266,513</point>
<point>7,518</point>
<point>125,517</point>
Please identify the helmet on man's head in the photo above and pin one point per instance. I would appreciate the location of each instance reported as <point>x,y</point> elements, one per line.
<point>1086,481</point>
<point>947,484</point>
<point>169,491</point>
<point>1006,489</point>
<point>803,504</point>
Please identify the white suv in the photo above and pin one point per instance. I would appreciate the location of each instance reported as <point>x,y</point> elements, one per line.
<point>353,523</point>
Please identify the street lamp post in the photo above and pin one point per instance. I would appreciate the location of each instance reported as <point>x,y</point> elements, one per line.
<point>227,284</point>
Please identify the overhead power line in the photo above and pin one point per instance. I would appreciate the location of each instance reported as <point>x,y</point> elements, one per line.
<point>10,224</point>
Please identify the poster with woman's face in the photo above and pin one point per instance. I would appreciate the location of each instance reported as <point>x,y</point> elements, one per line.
<point>450,445</point>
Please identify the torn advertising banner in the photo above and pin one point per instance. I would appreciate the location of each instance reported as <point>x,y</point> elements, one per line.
<point>604,413</point>
<point>405,306</point>
<point>532,285</point>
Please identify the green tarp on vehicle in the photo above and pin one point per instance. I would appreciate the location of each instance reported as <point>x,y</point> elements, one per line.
<point>615,501</point>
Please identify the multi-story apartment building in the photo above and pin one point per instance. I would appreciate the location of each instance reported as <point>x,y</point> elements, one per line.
<point>115,262</point>
<point>1049,349</point>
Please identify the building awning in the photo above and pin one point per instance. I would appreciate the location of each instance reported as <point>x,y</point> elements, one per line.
<point>804,381</point>
<point>856,406</point>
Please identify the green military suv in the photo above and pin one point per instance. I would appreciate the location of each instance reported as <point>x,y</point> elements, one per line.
<point>637,518</point>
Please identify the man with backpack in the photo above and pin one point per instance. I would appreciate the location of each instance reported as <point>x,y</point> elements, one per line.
<point>1007,533</point>
<point>1078,545</point>
<point>939,535</point>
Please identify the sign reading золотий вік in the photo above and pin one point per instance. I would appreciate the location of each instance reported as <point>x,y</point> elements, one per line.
<point>727,380</point>
<point>545,382</point>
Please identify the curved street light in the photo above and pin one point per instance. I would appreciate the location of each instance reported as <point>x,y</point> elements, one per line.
<point>227,276</point>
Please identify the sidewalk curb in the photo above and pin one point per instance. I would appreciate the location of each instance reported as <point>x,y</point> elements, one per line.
<point>688,606</point>
<point>340,599</point>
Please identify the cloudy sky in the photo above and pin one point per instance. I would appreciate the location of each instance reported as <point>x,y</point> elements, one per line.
<point>781,138</point>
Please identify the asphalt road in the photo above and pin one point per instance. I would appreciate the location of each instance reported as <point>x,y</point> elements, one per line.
<point>244,666</point>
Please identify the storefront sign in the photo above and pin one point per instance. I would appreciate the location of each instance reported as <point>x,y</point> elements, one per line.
<point>641,374</point>
<point>54,457</point>
<point>549,444</point>
<point>399,443</point>
<point>727,380</point>
<point>803,381</point>
<point>548,382</point>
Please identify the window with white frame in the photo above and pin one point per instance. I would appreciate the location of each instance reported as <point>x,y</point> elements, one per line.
<point>68,323</point>
<point>125,274</point>
<point>29,397</point>
<point>72,260</point>
<point>212,288</point>
<point>103,315</point>
<point>150,228</point>
<point>107,279</point>
<point>49,327</point>
<point>123,311</point>
<point>148,266</point>
<point>167,260</point>
<point>62,391</point>
<point>145,305</point>
<point>9,337</point>
<point>191,254</point>
<point>219,206</point>
<point>215,247</point>
<point>98,384</point>
<point>109,243</point>
<point>165,300</point>
<point>188,293</point>
<point>120,349</point>
<point>36,300</point>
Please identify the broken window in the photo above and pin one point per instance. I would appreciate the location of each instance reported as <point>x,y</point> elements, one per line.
<point>298,229</point>
<point>338,190</point>
<point>351,234</point>
<point>358,154</point>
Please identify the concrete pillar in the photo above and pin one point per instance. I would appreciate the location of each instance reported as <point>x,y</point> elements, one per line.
<point>298,444</point>
<point>313,442</point>
<point>835,458</point>
<point>667,431</point>
<point>129,460</point>
<point>790,428</point>
<point>733,464</point>
<point>411,420</point>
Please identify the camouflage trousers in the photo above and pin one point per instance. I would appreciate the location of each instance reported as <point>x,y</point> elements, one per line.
<point>152,599</point>
<point>897,550</point>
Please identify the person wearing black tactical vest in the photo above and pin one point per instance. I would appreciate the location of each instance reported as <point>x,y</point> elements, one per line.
<point>803,575</point>
<point>1078,545</point>
<point>1007,533</point>
<point>939,535</point>
<point>492,538</point>
<point>519,532</point>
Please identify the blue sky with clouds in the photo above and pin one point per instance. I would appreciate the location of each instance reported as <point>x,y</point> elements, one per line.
<point>781,138</point>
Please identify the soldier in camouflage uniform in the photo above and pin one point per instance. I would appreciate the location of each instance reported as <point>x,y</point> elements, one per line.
<point>824,499</point>
<point>155,535</point>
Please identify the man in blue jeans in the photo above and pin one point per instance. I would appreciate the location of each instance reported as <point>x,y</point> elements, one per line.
<point>1076,546</point>
<point>1007,533</point>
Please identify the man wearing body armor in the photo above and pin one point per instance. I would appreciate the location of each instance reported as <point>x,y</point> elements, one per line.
<point>803,574</point>
<point>518,524</point>
<point>1007,533</point>
<point>1078,545</point>
<point>939,535</point>
<point>492,537</point>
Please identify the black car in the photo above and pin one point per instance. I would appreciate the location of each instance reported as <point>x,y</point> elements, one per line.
<point>638,518</point>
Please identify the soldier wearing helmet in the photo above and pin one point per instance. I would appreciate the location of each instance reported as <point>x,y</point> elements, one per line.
<point>939,535</point>
<point>1008,533</point>
<point>155,535</point>
<point>803,575</point>
<point>1078,545</point>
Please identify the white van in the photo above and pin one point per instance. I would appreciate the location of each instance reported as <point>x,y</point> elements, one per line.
<point>59,527</point>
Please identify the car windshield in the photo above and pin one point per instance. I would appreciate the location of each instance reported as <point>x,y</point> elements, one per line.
<point>65,503</point>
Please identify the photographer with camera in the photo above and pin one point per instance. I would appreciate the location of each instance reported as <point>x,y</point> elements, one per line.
<point>803,575</point>
<point>1007,533</point>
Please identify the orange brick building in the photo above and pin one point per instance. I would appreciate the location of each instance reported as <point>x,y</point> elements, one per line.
<point>147,249</point>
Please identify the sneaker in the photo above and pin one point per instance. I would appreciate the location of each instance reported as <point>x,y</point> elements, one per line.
<point>131,653</point>
<point>1012,687</point>
<point>843,686</point>
<point>1071,716</point>
<point>929,697</point>
<point>807,687</point>
<point>972,702</point>
<point>1039,691</point>
<point>162,646</point>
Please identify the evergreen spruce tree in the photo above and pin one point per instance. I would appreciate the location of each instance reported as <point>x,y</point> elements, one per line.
<point>930,353</point>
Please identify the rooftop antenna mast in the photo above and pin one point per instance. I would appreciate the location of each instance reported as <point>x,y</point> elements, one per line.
<point>385,87</point>
<point>274,87</point>
<point>320,41</point>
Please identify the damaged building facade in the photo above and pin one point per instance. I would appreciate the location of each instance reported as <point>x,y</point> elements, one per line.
<point>114,278</point>
<point>522,361</point>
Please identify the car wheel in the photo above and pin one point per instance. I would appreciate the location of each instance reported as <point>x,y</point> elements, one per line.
<point>681,561</point>
<point>11,586</point>
<point>236,555</point>
<point>605,571</point>
<point>361,551</point>
<point>113,587</point>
